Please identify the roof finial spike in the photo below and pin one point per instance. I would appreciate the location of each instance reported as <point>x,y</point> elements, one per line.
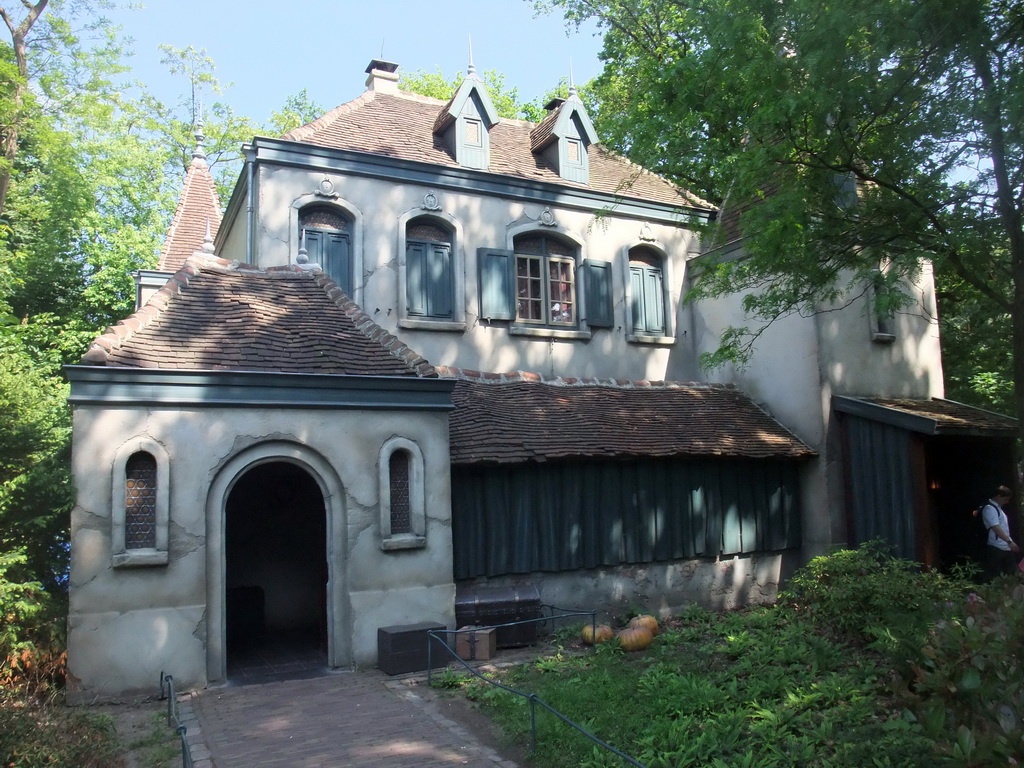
<point>572,82</point>
<point>471,69</point>
<point>208,238</point>
<point>199,152</point>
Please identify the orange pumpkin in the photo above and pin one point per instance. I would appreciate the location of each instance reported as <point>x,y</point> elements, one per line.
<point>591,635</point>
<point>646,620</point>
<point>635,638</point>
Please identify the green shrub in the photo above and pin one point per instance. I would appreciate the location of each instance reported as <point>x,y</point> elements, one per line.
<point>868,595</point>
<point>32,657</point>
<point>967,688</point>
<point>32,737</point>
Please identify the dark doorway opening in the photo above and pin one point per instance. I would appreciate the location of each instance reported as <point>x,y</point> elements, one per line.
<point>276,575</point>
<point>962,473</point>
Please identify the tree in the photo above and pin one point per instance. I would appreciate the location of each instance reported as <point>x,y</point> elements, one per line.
<point>915,104</point>
<point>19,80</point>
<point>505,99</point>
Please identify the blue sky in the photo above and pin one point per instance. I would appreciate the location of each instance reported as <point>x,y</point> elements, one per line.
<point>270,50</point>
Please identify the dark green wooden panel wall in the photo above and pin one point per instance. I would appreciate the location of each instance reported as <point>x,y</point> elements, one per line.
<point>562,516</point>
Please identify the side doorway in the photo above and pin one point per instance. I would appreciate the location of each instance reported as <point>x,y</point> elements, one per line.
<point>276,574</point>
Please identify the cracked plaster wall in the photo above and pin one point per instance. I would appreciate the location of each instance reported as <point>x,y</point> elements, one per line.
<point>486,222</point>
<point>126,625</point>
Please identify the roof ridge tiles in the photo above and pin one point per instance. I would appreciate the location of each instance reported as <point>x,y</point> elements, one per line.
<point>520,376</point>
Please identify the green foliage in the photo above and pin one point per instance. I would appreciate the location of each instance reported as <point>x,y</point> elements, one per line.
<point>298,110</point>
<point>867,595</point>
<point>756,688</point>
<point>866,661</point>
<point>505,99</point>
<point>33,737</point>
<point>772,106</point>
<point>967,687</point>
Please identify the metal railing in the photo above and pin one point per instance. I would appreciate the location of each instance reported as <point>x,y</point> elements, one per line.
<point>531,697</point>
<point>167,692</point>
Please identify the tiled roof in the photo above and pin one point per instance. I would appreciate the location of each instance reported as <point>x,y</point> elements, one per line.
<point>524,417</point>
<point>949,417</point>
<point>218,315</point>
<point>197,205</point>
<point>402,126</point>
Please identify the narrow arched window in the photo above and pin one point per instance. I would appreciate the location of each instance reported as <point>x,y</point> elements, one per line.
<point>140,501</point>
<point>325,234</point>
<point>401,500</point>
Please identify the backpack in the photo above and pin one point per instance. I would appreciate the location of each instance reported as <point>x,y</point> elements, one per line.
<point>978,513</point>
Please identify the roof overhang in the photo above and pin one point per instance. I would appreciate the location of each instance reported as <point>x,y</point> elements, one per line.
<point>929,416</point>
<point>350,162</point>
<point>145,387</point>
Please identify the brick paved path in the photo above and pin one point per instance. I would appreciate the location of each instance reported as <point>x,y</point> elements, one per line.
<point>343,719</point>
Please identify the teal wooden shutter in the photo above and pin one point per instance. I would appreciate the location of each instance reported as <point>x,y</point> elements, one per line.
<point>637,285</point>
<point>497,284</point>
<point>439,289</point>
<point>416,278</point>
<point>654,301</point>
<point>598,286</point>
<point>332,252</point>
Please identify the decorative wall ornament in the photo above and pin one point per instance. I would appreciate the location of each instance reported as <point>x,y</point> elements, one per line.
<point>547,218</point>
<point>326,189</point>
<point>430,202</point>
<point>646,234</point>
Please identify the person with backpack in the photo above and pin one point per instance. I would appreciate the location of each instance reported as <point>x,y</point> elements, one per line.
<point>1001,554</point>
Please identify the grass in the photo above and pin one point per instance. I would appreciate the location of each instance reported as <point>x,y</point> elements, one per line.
<point>866,662</point>
<point>48,734</point>
<point>751,688</point>
<point>160,747</point>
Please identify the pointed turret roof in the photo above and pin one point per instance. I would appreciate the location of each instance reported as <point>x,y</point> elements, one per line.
<point>198,215</point>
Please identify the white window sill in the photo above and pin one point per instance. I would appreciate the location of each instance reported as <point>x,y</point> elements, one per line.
<point>431,325</point>
<point>403,541</point>
<point>140,558</point>
<point>661,341</point>
<point>548,333</point>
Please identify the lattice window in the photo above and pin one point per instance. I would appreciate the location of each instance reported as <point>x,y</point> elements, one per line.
<point>401,506</point>
<point>140,487</point>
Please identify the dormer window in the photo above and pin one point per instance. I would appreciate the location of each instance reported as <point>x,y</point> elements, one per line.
<point>563,138</point>
<point>464,123</point>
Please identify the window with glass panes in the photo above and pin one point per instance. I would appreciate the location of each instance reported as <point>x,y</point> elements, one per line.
<point>140,501</point>
<point>545,281</point>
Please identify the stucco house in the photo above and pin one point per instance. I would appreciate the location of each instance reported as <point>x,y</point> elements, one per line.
<point>426,349</point>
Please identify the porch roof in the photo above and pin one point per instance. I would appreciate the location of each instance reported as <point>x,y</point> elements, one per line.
<point>517,417</point>
<point>218,315</point>
<point>929,416</point>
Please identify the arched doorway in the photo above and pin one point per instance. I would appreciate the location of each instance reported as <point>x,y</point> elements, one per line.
<point>276,572</point>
